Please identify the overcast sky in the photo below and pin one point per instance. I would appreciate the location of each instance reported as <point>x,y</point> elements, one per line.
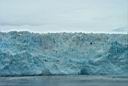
<point>64,15</point>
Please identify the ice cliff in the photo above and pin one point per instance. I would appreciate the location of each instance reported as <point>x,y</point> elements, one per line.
<point>25,53</point>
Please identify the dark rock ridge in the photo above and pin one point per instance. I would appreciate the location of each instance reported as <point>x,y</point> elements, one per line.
<point>25,53</point>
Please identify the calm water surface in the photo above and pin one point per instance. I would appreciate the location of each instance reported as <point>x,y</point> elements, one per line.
<point>64,81</point>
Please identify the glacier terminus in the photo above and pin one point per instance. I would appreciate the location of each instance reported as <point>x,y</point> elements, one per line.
<point>25,53</point>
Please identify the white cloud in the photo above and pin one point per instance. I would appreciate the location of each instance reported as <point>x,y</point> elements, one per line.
<point>63,15</point>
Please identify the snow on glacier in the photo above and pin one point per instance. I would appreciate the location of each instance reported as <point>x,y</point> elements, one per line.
<point>25,53</point>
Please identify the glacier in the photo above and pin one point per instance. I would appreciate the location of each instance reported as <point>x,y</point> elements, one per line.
<point>25,53</point>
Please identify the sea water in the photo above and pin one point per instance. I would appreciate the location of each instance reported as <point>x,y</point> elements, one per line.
<point>74,80</point>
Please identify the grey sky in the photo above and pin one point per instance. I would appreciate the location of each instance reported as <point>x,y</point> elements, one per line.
<point>64,15</point>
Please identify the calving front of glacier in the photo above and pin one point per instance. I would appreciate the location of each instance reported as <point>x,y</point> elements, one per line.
<point>25,53</point>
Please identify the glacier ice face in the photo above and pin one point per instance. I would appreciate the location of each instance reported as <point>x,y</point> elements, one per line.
<point>24,53</point>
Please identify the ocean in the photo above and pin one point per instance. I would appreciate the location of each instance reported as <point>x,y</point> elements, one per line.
<point>68,80</point>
